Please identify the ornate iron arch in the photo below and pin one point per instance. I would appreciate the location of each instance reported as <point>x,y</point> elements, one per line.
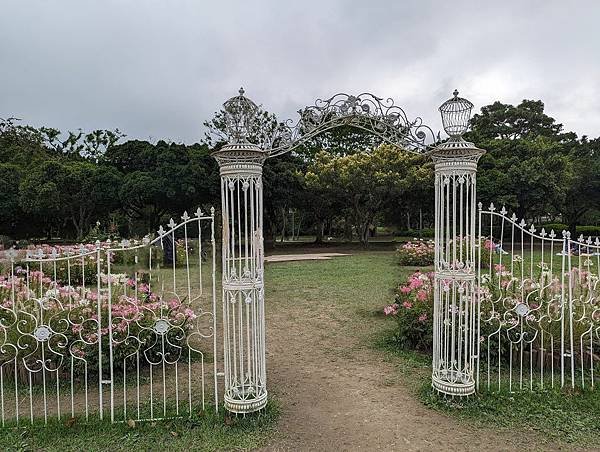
<point>381,117</point>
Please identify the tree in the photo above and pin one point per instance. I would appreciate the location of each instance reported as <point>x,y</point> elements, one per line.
<point>89,193</point>
<point>164,179</point>
<point>368,182</point>
<point>525,167</point>
<point>11,214</point>
<point>41,195</point>
<point>583,183</point>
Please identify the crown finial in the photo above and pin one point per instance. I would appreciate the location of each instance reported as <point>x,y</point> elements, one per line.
<point>455,93</point>
<point>240,117</point>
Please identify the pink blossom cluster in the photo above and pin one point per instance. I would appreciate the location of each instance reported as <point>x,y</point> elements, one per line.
<point>133,307</point>
<point>417,292</point>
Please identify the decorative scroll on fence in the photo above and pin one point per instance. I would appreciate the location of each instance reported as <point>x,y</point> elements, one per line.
<point>122,330</point>
<point>539,306</point>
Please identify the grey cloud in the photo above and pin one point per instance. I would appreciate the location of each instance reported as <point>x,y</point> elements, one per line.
<point>159,69</point>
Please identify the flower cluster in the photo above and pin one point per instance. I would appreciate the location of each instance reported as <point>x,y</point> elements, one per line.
<point>78,315</point>
<point>417,253</point>
<point>413,311</point>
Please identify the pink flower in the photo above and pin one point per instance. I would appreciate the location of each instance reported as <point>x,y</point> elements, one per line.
<point>423,317</point>
<point>405,289</point>
<point>415,282</point>
<point>174,303</point>
<point>407,305</point>
<point>421,295</point>
<point>391,309</point>
<point>189,313</point>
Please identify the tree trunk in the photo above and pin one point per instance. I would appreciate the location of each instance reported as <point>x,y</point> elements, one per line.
<point>347,229</point>
<point>320,232</point>
<point>283,224</point>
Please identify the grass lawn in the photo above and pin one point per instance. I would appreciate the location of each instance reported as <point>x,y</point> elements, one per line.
<point>204,432</point>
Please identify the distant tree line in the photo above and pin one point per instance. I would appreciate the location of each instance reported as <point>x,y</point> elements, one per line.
<point>78,186</point>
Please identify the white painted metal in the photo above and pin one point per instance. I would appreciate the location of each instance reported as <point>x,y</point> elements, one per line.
<point>243,283</point>
<point>538,297</point>
<point>116,330</point>
<point>241,165</point>
<point>455,314</point>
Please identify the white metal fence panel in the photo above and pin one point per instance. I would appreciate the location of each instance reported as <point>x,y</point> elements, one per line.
<point>121,330</point>
<point>539,309</point>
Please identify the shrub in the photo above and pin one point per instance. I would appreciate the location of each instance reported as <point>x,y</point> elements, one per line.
<point>413,311</point>
<point>588,231</point>
<point>425,232</point>
<point>417,253</point>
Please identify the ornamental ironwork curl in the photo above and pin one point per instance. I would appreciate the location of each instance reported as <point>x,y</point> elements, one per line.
<point>381,117</point>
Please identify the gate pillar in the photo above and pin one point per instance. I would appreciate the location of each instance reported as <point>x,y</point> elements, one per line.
<point>241,165</point>
<point>455,313</point>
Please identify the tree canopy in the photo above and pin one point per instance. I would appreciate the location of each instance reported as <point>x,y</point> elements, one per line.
<point>342,182</point>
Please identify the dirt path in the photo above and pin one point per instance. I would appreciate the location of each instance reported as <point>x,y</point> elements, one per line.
<point>336,393</point>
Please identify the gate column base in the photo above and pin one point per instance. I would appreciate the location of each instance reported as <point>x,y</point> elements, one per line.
<point>246,406</point>
<point>452,388</point>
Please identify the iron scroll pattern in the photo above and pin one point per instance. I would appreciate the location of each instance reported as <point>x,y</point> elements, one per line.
<point>381,117</point>
<point>112,329</point>
<point>537,294</point>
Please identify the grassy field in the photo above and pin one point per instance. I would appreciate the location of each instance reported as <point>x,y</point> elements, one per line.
<point>204,432</point>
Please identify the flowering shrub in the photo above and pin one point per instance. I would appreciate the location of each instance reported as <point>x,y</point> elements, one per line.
<point>417,253</point>
<point>514,310</point>
<point>413,311</point>
<point>64,321</point>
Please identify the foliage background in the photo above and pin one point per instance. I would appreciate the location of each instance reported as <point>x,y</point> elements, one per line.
<point>75,186</point>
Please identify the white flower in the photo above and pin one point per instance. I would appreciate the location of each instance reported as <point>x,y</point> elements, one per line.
<point>52,293</point>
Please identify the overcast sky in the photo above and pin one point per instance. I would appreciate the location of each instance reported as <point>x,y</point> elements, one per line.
<point>158,69</point>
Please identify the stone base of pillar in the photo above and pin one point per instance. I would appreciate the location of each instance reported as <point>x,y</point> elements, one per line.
<point>246,406</point>
<point>449,383</point>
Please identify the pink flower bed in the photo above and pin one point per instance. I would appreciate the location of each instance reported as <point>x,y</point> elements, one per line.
<point>416,253</point>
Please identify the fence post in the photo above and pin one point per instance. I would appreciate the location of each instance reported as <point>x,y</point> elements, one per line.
<point>241,165</point>
<point>455,315</point>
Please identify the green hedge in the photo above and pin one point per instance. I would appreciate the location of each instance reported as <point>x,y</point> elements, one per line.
<point>585,230</point>
<point>425,232</point>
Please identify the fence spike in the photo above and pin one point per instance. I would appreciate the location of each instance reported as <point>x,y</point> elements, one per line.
<point>185,216</point>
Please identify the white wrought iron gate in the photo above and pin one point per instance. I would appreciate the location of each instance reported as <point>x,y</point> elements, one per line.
<point>119,330</point>
<point>538,297</point>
